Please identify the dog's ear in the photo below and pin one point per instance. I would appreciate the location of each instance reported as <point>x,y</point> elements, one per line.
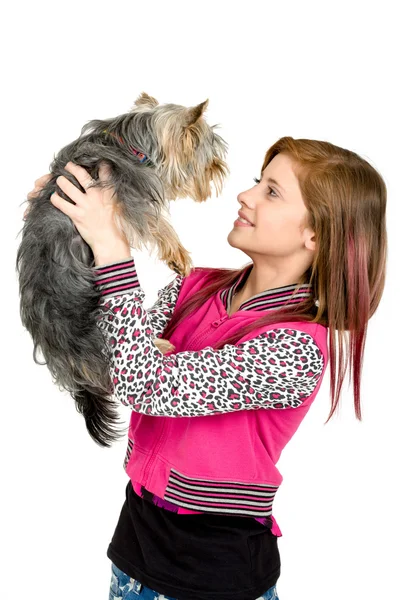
<point>145,99</point>
<point>194,113</point>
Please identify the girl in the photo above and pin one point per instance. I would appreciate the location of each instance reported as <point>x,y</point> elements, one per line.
<point>247,355</point>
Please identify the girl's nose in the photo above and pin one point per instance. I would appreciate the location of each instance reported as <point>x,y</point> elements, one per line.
<point>246,198</point>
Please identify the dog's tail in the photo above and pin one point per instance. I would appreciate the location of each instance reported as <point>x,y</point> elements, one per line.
<point>100,416</point>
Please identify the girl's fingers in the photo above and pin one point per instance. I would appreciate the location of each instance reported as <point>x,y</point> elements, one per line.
<point>66,207</point>
<point>70,189</point>
<point>41,182</point>
<point>33,193</point>
<point>80,173</point>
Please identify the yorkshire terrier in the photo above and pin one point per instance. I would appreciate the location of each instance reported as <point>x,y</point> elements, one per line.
<point>155,153</point>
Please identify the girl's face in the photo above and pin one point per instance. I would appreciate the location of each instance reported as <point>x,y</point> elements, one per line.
<point>276,210</point>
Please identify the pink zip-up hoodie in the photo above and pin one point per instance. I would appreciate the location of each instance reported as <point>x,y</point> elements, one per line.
<point>207,426</point>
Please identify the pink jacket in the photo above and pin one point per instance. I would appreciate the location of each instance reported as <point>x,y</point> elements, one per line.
<point>207,426</point>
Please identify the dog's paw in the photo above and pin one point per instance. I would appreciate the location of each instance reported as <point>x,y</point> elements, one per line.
<point>181,263</point>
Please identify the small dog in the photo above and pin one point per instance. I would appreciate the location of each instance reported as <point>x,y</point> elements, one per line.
<point>155,153</point>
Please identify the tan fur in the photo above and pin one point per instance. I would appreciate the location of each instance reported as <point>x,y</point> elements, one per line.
<point>169,247</point>
<point>195,112</point>
<point>146,100</point>
<point>162,236</point>
<point>185,172</point>
<point>179,140</point>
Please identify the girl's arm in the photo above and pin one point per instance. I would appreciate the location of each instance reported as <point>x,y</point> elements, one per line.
<point>278,369</point>
<point>114,278</point>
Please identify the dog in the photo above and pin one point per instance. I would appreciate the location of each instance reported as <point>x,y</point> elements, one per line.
<point>155,153</point>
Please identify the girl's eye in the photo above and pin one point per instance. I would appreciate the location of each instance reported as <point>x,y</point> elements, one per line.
<point>270,188</point>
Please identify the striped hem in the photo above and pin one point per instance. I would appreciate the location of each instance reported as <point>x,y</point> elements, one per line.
<point>116,278</point>
<point>225,498</point>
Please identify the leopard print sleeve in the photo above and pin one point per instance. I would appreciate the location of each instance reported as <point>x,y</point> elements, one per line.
<point>114,278</point>
<point>161,311</point>
<point>276,370</point>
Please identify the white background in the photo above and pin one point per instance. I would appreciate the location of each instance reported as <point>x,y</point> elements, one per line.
<point>326,71</point>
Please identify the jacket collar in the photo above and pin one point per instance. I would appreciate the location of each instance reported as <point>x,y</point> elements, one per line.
<point>267,300</point>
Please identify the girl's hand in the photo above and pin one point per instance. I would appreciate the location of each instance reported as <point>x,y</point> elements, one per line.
<point>93,213</point>
<point>39,185</point>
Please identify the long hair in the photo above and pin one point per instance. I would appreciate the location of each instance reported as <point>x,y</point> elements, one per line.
<point>345,198</point>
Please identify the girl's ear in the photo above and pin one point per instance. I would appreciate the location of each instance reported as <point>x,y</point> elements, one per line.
<point>311,242</point>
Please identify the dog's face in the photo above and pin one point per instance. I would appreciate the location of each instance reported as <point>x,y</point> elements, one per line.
<point>187,152</point>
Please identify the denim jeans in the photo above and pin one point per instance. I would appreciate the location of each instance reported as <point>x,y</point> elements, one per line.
<point>124,587</point>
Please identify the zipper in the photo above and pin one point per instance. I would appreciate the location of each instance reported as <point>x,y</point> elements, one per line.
<point>218,322</point>
<point>200,337</point>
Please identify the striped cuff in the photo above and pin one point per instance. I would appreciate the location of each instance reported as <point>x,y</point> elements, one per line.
<point>116,278</point>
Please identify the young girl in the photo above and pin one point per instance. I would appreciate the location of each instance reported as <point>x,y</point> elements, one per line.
<point>249,349</point>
